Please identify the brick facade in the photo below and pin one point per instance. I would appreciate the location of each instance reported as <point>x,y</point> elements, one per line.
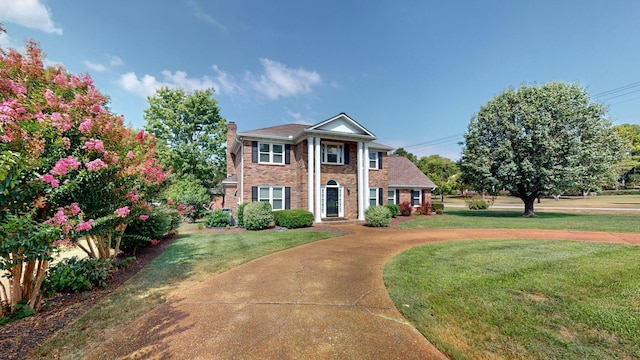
<point>244,172</point>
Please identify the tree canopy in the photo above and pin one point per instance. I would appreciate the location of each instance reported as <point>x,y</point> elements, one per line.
<point>538,140</point>
<point>190,131</point>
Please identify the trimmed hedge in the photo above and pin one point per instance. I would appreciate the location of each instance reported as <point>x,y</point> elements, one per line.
<point>477,204</point>
<point>218,219</point>
<point>393,209</point>
<point>240,214</point>
<point>293,219</point>
<point>438,208</point>
<point>377,216</point>
<point>257,215</point>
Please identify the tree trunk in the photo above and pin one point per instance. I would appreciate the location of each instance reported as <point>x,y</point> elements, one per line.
<point>528,207</point>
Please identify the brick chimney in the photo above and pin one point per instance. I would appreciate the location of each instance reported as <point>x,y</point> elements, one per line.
<point>232,129</point>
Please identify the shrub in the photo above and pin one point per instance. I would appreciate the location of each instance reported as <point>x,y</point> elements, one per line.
<point>175,219</point>
<point>72,275</point>
<point>241,214</point>
<point>477,204</point>
<point>377,216</point>
<point>393,209</point>
<point>218,219</point>
<point>438,208</point>
<point>141,232</point>
<point>405,208</point>
<point>425,207</point>
<point>257,215</point>
<point>293,219</point>
<point>191,194</point>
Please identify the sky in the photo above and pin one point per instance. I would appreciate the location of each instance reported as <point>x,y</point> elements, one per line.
<point>412,72</point>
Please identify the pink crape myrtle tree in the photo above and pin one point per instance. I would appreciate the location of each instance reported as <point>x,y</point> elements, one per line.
<point>69,171</point>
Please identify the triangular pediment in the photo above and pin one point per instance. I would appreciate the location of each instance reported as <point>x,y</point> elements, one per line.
<point>342,124</point>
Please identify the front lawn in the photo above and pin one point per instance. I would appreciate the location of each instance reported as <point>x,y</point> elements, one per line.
<point>192,258</point>
<point>513,219</point>
<point>526,299</point>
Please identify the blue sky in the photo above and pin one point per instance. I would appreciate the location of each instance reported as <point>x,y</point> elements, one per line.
<point>412,72</point>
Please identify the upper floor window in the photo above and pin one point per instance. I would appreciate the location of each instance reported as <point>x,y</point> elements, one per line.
<point>373,160</point>
<point>332,153</point>
<point>271,153</point>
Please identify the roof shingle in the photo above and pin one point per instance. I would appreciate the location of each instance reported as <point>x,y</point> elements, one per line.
<point>405,174</point>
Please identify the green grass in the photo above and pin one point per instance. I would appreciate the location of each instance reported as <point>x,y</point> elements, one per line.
<point>528,299</point>
<point>513,219</point>
<point>190,259</point>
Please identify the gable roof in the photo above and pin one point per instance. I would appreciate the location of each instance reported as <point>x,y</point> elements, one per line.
<point>340,126</point>
<point>405,174</point>
<point>344,124</point>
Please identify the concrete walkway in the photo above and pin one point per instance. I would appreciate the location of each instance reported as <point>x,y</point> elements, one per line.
<point>324,300</point>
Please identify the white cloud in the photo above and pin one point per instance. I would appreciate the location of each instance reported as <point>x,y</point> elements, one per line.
<point>95,67</point>
<point>148,84</point>
<point>298,118</point>
<point>202,15</point>
<point>226,82</point>
<point>115,61</point>
<point>281,81</point>
<point>32,14</point>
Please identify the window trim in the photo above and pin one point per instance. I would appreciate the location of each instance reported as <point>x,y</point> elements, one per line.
<point>377,192</point>
<point>371,167</point>
<point>419,197</point>
<point>392,199</point>
<point>271,153</point>
<point>270,199</point>
<point>325,154</point>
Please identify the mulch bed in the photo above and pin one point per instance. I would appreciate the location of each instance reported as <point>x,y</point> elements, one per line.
<point>19,338</point>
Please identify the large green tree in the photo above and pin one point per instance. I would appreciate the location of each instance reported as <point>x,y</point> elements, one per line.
<point>629,167</point>
<point>190,131</point>
<point>538,140</point>
<point>442,171</point>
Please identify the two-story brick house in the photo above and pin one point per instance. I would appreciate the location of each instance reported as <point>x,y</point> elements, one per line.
<point>334,169</point>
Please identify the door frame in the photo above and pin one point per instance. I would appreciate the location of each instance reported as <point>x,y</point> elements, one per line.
<point>333,184</point>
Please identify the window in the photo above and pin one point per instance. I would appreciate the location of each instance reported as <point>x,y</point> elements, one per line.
<point>373,196</point>
<point>332,153</point>
<point>271,153</point>
<point>273,195</point>
<point>391,196</point>
<point>416,197</point>
<point>373,160</point>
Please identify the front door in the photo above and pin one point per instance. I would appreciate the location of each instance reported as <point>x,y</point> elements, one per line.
<point>332,202</point>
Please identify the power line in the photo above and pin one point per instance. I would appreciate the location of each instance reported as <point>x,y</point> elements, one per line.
<point>617,90</point>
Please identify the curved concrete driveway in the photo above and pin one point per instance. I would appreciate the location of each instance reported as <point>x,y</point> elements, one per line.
<point>324,300</point>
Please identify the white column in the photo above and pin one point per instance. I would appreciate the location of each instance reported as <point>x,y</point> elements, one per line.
<point>318,211</point>
<point>360,183</point>
<point>310,168</point>
<point>366,175</point>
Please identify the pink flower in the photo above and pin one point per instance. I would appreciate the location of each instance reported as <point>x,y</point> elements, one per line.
<point>94,144</point>
<point>74,208</point>
<point>85,126</point>
<point>50,96</point>
<point>60,79</point>
<point>130,154</point>
<point>96,109</point>
<point>144,217</point>
<point>58,219</point>
<point>155,242</point>
<point>85,225</point>
<point>133,196</point>
<point>48,178</point>
<point>55,183</point>
<point>95,165</point>
<point>63,165</point>
<point>122,212</point>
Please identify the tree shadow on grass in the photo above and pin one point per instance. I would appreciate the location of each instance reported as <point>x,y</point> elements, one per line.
<point>493,214</point>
